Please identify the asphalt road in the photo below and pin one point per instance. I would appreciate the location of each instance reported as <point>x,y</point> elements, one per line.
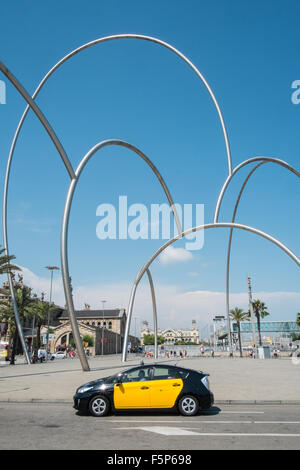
<point>51,426</point>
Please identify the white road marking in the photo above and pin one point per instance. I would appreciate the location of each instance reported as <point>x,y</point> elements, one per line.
<point>243,412</point>
<point>172,431</point>
<point>169,431</point>
<point>276,422</point>
<point>181,422</point>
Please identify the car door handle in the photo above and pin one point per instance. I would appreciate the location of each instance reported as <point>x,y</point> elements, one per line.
<point>176,385</point>
<point>144,388</point>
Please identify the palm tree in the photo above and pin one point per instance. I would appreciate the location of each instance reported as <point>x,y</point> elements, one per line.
<point>5,263</point>
<point>260,311</point>
<point>40,312</point>
<point>25,302</point>
<point>238,315</point>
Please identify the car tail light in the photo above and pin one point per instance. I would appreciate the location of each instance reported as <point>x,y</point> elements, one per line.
<point>205,381</point>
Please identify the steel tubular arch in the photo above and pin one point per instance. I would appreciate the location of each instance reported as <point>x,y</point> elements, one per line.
<point>64,157</point>
<point>261,160</point>
<point>229,251</point>
<point>241,165</point>
<point>142,271</point>
<point>154,313</point>
<point>64,236</point>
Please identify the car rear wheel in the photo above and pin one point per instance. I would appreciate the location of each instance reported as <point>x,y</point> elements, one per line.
<point>99,406</point>
<point>188,405</point>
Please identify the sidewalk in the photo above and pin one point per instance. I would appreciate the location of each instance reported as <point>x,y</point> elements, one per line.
<point>232,380</point>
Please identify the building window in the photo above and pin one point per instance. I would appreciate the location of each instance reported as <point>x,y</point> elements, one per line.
<point>110,325</point>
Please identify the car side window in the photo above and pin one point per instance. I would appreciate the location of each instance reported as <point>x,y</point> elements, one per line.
<point>182,373</point>
<point>164,373</point>
<point>137,375</point>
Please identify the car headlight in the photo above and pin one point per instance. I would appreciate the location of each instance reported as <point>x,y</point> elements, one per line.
<point>84,389</point>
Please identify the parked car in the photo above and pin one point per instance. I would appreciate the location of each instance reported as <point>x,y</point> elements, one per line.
<point>59,355</point>
<point>151,387</point>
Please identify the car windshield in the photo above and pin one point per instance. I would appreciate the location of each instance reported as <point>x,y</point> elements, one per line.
<point>113,379</point>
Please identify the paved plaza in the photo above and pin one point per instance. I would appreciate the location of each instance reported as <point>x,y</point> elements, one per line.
<point>232,380</point>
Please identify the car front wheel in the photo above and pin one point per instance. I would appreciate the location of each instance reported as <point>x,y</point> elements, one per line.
<point>188,405</point>
<point>99,406</point>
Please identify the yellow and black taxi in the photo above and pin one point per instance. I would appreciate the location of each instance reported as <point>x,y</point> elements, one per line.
<point>147,387</point>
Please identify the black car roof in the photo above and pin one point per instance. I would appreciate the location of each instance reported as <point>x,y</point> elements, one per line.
<point>174,366</point>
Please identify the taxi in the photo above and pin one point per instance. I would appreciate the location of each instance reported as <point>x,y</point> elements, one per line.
<point>147,387</point>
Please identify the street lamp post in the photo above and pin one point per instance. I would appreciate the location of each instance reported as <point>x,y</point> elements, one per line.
<point>103,302</point>
<point>50,268</point>
<point>251,314</point>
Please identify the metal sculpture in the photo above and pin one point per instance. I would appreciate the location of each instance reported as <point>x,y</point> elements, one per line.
<point>68,166</point>
<point>262,161</point>
<point>64,236</point>
<point>142,271</point>
<point>70,170</point>
<point>74,176</point>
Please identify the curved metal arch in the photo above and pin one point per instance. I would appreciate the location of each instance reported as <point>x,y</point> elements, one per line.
<point>64,236</point>
<point>262,160</point>
<point>64,157</point>
<point>229,251</point>
<point>61,62</point>
<point>35,108</point>
<point>154,312</point>
<point>141,273</point>
<point>241,165</point>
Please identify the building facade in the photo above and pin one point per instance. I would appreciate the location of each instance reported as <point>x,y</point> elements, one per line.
<point>171,336</point>
<point>106,327</point>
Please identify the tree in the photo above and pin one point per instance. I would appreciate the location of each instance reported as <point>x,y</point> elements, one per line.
<point>238,315</point>
<point>5,263</point>
<point>25,303</point>
<point>40,311</point>
<point>149,340</point>
<point>89,340</point>
<point>260,311</point>
<point>298,319</point>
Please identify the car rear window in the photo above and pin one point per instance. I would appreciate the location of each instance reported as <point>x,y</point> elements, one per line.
<point>182,373</point>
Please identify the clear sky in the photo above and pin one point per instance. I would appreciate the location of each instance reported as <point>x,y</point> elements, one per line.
<point>142,93</point>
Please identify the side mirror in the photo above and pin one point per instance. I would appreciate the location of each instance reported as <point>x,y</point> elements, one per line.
<point>120,379</point>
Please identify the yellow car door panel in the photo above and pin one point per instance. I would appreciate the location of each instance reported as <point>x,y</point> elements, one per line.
<point>132,395</point>
<point>163,393</point>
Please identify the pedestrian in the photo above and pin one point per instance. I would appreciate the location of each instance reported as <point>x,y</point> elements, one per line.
<point>212,353</point>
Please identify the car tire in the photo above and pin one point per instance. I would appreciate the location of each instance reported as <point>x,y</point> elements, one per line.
<point>99,406</point>
<point>188,405</point>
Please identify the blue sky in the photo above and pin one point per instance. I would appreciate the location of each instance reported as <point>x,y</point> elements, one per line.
<point>142,93</point>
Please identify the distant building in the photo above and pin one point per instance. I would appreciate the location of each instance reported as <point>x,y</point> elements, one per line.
<point>91,322</point>
<point>189,335</point>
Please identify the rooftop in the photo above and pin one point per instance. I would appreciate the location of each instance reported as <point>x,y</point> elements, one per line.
<point>95,313</point>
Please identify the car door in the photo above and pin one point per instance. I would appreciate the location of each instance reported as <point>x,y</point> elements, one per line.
<point>134,390</point>
<point>165,387</point>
